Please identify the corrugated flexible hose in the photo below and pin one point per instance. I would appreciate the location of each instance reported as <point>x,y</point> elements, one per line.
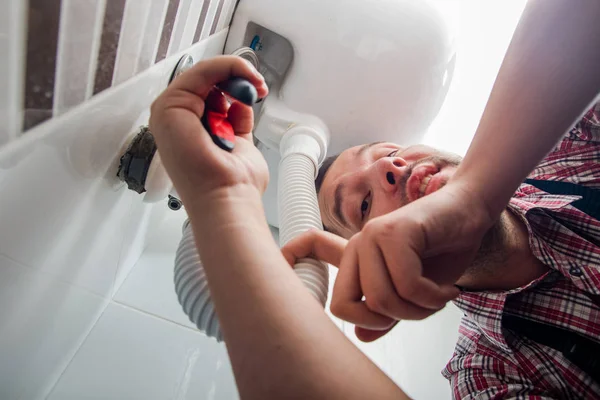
<point>298,212</point>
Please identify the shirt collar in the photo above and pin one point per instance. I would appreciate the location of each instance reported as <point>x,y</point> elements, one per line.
<point>486,308</point>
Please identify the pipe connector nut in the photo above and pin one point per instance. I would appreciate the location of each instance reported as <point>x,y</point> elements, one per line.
<point>302,139</point>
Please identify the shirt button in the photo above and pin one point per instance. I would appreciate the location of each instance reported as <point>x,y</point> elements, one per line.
<point>576,271</point>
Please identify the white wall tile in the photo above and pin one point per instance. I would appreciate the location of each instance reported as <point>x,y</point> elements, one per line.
<point>210,17</point>
<point>149,287</point>
<point>191,21</point>
<point>135,18</point>
<point>131,355</point>
<point>414,353</point>
<point>95,48</point>
<point>62,212</point>
<point>179,26</point>
<point>69,231</point>
<point>142,223</point>
<point>152,31</point>
<point>226,14</point>
<point>80,25</point>
<point>42,323</point>
<point>426,348</point>
<point>13,24</point>
<point>139,38</point>
<point>65,222</point>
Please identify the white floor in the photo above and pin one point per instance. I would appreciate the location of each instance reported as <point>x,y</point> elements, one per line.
<point>134,355</point>
<point>42,323</point>
<point>149,286</point>
<point>144,347</point>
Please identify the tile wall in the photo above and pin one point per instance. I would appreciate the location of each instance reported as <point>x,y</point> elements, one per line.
<point>57,54</point>
<point>76,79</point>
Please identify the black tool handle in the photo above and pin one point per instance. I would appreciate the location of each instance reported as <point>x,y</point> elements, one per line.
<point>240,89</point>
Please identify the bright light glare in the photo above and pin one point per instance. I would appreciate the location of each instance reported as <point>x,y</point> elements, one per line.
<point>482,31</point>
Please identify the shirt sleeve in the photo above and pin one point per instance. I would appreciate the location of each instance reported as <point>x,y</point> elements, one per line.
<point>479,377</point>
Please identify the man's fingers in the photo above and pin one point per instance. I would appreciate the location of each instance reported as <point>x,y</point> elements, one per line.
<point>186,96</point>
<point>346,301</point>
<point>241,118</point>
<point>369,335</point>
<point>216,101</point>
<point>425,293</point>
<point>358,313</point>
<point>381,296</point>
<point>405,269</point>
<point>317,244</point>
<point>203,76</point>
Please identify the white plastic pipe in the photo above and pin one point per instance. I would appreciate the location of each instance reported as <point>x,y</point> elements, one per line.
<point>191,286</point>
<point>302,149</point>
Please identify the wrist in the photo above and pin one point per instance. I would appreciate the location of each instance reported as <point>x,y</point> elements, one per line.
<point>474,201</point>
<point>227,206</point>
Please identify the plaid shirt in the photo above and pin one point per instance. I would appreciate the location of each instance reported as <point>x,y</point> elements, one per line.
<point>490,362</point>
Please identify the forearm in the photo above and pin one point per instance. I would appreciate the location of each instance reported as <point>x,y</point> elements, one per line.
<point>281,343</point>
<point>550,73</point>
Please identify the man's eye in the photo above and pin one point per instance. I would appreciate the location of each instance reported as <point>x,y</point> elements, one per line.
<point>393,153</point>
<point>364,206</point>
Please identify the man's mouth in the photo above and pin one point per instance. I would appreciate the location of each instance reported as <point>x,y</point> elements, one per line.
<point>423,186</point>
<point>421,182</point>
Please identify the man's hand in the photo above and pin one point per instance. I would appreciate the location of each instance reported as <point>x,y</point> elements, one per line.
<point>199,169</point>
<point>402,265</point>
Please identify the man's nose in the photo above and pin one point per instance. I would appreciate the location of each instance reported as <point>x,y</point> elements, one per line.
<point>390,169</point>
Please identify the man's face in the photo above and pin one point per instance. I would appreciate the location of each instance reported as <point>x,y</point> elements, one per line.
<point>375,179</point>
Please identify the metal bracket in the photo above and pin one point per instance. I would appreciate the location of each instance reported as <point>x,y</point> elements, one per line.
<point>185,62</point>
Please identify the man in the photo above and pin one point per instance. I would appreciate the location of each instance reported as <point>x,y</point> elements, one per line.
<point>525,256</point>
<point>540,261</point>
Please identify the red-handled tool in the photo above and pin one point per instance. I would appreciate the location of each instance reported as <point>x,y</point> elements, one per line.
<point>216,124</point>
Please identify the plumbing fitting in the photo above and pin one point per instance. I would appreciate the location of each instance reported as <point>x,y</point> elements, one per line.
<point>306,140</point>
<point>174,203</point>
<point>247,54</point>
<point>141,168</point>
<point>135,162</point>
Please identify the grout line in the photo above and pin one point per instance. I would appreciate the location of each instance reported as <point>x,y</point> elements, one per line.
<point>117,303</point>
<point>95,50</point>
<point>148,240</point>
<point>56,278</point>
<point>114,289</point>
<point>59,377</point>
<point>139,310</point>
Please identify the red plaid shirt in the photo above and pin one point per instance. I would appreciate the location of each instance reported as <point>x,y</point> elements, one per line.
<point>492,363</point>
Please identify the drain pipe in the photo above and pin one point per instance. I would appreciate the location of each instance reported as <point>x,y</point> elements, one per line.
<point>302,150</point>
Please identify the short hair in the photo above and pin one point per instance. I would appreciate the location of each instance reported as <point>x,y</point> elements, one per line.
<point>323,171</point>
<point>321,176</point>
